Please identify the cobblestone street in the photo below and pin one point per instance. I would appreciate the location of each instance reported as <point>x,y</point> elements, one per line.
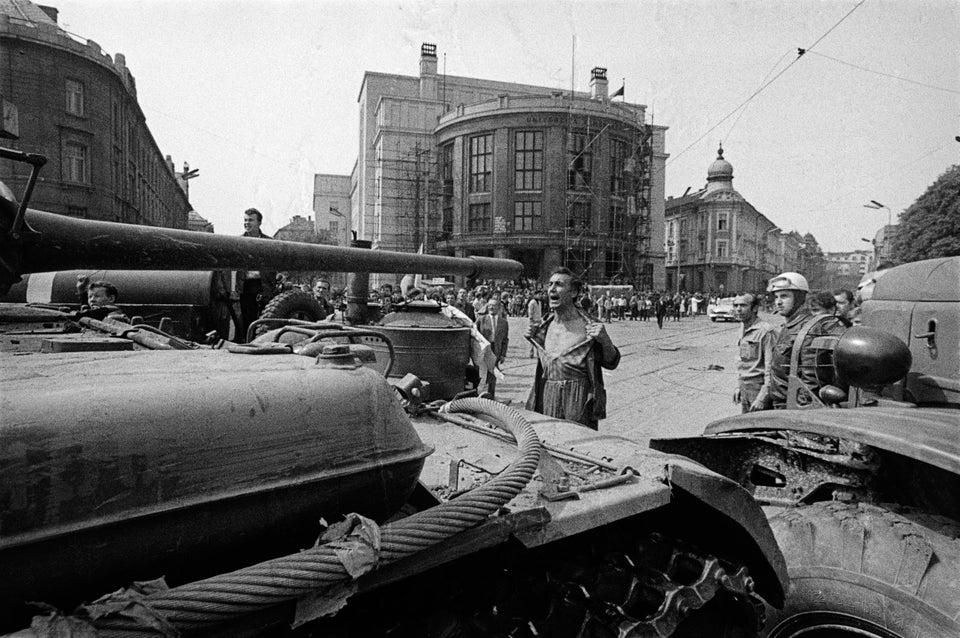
<point>668,382</point>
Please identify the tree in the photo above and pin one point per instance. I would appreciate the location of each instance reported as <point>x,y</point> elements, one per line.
<point>931,226</point>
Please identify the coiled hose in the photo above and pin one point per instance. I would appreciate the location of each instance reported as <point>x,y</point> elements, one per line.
<point>226,596</point>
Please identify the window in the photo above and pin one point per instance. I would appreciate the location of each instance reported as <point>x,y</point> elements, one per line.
<point>722,249</point>
<point>77,211</point>
<point>528,171</point>
<point>613,264</point>
<point>75,162</point>
<point>117,122</point>
<point>579,162</point>
<point>720,279</point>
<point>579,217</point>
<point>335,229</point>
<point>722,221</point>
<point>618,156</point>
<point>526,215</point>
<point>617,220</point>
<point>481,163</point>
<point>74,97</point>
<point>446,169</point>
<point>446,222</point>
<point>478,218</point>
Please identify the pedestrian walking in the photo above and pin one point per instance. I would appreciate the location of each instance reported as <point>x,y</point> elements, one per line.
<point>661,308</point>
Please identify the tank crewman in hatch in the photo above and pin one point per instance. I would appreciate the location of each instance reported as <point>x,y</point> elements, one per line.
<point>789,299</point>
<point>254,287</point>
<point>571,350</point>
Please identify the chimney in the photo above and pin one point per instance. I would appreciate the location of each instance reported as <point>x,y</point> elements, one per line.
<point>428,71</point>
<point>598,83</point>
<point>52,12</point>
<point>428,59</point>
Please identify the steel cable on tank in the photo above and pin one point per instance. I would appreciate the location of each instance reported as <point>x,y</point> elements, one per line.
<point>225,596</point>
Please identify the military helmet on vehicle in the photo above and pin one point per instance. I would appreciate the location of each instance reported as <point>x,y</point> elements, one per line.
<point>789,281</point>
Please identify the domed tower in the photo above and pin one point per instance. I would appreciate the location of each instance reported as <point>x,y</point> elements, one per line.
<point>720,173</point>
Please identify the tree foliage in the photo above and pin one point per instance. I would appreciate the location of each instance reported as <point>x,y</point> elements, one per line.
<point>931,226</point>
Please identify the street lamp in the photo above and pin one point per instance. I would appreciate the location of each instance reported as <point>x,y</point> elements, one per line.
<point>875,205</point>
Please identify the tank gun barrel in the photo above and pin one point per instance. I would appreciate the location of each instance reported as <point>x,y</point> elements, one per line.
<point>65,243</point>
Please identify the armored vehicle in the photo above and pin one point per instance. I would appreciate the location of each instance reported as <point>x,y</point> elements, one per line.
<point>867,470</point>
<point>151,485</point>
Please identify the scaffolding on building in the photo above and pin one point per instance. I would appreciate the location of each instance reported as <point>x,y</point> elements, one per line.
<point>624,246</point>
<point>408,191</point>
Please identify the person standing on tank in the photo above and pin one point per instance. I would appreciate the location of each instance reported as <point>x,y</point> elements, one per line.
<point>254,287</point>
<point>572,349</point>
<point>754,354</point>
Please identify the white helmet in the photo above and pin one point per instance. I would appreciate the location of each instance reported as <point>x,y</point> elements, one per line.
<point>789,281</point>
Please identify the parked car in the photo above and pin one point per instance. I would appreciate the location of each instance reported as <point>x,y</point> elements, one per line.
<point>721,310</point>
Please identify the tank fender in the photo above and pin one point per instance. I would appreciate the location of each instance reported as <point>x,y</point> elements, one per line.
<point>928,435</point>
<point>708,494</point>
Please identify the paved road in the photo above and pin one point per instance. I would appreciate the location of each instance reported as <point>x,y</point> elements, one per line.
<point>669,382</point>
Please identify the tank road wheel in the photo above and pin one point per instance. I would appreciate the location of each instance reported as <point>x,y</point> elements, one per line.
<point>858,570</point>
<point>292,304</point>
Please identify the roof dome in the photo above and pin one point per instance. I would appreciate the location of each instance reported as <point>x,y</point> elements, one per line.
<point>721,169</point>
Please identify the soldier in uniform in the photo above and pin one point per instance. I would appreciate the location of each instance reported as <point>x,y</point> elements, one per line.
<point>790,295</point>
<point>755,351</point>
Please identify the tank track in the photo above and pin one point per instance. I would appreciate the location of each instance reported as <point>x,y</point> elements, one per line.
<point>653,589</point>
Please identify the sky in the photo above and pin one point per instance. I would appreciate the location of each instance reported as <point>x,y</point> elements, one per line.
<point>261,95</point>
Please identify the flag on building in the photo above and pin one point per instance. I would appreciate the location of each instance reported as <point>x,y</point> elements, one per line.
<point>619,92</point>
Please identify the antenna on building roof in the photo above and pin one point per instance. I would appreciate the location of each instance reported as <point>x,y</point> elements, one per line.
<point>573,65</point>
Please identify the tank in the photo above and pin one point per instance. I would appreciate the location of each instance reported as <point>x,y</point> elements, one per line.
<point>864,478</point>
<point>149,484</point>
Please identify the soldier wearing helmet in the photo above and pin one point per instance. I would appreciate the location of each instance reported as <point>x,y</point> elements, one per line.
<point>789,299</point>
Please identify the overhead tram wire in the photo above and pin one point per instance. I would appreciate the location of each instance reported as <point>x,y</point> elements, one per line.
<point>744,109</point>
<point>874,180</point>
<point>800,54</point>
<point>887,75</point>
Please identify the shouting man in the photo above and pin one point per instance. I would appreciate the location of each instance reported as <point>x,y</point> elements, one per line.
<point>571,349</point>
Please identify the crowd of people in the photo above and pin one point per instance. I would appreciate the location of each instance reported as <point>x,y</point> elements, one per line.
<point>565,328</point>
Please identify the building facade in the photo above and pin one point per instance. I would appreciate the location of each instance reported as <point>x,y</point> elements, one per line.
<point>845,269</point>
<point>331,206</point>
<point>716,242</point>
<point>78,106</point>
<point>465,166</point>
<point>883,242</point>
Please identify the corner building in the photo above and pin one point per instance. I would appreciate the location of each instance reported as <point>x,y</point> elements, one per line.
<point>475,167</point>
<point>78,106</point>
